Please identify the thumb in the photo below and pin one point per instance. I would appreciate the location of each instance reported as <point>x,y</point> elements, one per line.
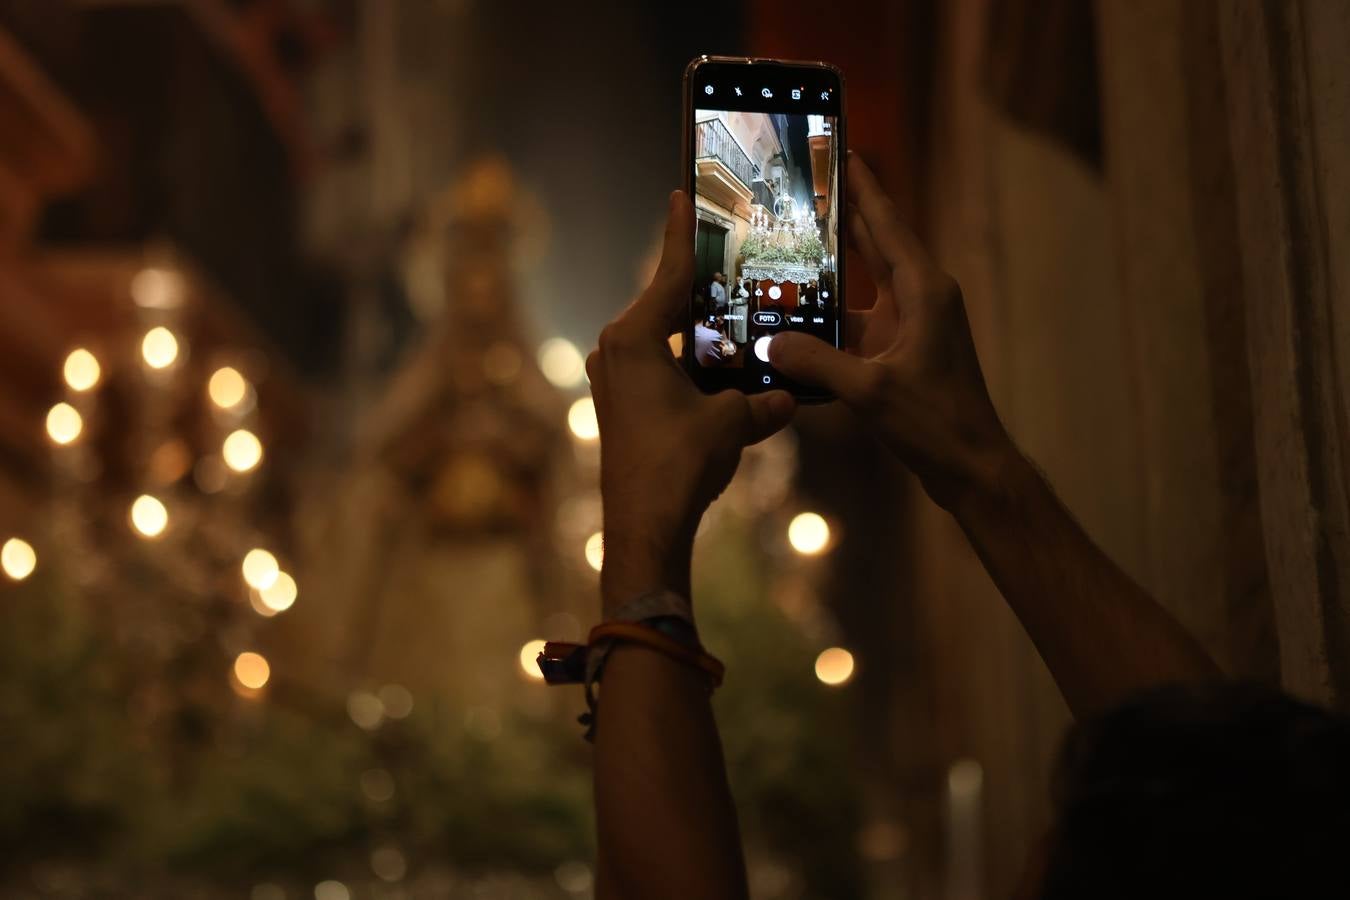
<point>768,413</point>
<point>810,360</point>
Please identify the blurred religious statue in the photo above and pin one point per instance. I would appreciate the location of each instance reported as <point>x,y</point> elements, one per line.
<point>442,543</point>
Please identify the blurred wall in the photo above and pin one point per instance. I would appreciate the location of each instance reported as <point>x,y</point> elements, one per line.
<point>1145,205</point>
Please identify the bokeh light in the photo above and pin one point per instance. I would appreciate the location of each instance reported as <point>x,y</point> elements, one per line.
<point>227,388</point>
<point>260,569</point>
<point>159,347</point>
<point>331,890</point>
<point>388,863</point>
<point>581,419</point>
<point>562,363</point>
<point>377,785</point>
<point>595,550</point>
<point>64,423</point>
<point>81,370</point>
<point>255,601</point>
<point>251,670</point>
<point>834,666</point>
<point>397,701</point>
<point>280,595</point>
<point>242,450</point>
<point>149,516</point>
<point>808,533</point>
<point>965,778</point>
<point>153,288</point>
<point>574,876</point>
<point>18,559</point>
<point>529,659</point>
<point>365,709</point>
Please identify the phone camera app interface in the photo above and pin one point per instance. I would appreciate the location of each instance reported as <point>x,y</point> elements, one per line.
<point>766,192</point>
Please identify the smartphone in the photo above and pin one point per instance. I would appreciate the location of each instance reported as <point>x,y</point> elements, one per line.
<point>763,162</point>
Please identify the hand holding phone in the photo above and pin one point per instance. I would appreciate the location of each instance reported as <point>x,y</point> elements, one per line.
<point>919,388</point>
<point>668,450</point>
<point>764,146</point>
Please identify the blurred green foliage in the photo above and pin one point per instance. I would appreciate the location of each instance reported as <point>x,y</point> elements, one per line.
<point>206,787</point>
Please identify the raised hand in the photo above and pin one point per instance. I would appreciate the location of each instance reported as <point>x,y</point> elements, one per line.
<point>666,449</point>
<point>915,377</point>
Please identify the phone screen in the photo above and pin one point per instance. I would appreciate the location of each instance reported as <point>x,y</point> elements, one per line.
<point>766,153</point>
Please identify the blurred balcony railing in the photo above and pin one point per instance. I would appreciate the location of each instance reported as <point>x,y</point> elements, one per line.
<point>713,141</point>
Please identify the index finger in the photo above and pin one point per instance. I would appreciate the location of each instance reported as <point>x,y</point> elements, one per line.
<point>653,311</point>
<point>861,239</point>
<point>897,245</point>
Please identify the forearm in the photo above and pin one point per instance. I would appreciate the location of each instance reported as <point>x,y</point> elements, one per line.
<point>1101,635</point>
<point>666,822</point>
<point>667,827</point>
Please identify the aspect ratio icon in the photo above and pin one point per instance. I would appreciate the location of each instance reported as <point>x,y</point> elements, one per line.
<point>796,94</point>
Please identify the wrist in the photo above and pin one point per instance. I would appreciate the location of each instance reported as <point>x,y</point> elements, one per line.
<point>1001,477</point>
<point>639,558</point>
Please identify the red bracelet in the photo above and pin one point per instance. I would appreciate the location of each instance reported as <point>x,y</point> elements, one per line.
<point>650,637</point>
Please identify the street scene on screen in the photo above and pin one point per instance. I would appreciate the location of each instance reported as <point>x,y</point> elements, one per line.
<point>766,195</point>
